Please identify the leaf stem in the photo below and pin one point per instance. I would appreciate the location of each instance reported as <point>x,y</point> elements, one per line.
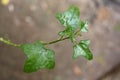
<point>61,39</point>
<point>8,42</point>
<point>55,41</point>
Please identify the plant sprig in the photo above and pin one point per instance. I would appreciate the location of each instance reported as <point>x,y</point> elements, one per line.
<point>8,42</point>
<point>40,57</point>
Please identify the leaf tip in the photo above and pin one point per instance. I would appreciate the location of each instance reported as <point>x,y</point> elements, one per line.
<point>58,15</point>
<point>90,57</point>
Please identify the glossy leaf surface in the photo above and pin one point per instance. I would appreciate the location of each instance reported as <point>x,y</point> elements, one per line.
<point>82,49</point>
<point>38,57</point>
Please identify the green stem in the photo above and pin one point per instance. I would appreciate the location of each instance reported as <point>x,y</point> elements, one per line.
<point>61,39</point>
<point>55,41</point>
<point>47,43</point>
<point>9,42</point>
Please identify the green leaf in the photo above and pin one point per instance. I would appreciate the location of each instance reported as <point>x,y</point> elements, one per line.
<point>82,49</point>
<point>70,18</point>
<point>84,26</point>
<point>68,32</point>
<point>38,57</point>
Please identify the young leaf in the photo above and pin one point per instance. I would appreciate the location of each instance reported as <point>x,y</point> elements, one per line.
<point>82,49</point>
<point>68,32</point>
<point>70,18</point>
<point>38,57</point>
<point>84,26</point>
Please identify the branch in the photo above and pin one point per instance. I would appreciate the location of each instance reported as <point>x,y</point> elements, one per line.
<point>9,42</point>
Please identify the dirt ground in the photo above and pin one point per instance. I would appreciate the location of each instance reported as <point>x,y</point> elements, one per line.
<point>25,21</point>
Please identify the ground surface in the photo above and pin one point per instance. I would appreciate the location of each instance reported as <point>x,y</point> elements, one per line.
<point>29,20</point>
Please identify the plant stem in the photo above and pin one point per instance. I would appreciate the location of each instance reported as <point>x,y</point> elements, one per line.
<point>9,42</point>
<point>55,41</point>
<point>61,39</point>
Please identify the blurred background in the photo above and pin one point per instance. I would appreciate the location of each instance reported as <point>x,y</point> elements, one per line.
<point>25,21</point>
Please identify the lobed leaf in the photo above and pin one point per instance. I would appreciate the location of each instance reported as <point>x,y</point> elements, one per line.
<point>70,18</point>
<point>82,49</point>
<point>38,57</point>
